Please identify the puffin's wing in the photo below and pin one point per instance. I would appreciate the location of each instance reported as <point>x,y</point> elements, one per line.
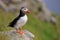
<point>13,22</point>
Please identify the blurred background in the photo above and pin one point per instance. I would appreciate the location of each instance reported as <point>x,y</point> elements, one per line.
<point>44,20</point>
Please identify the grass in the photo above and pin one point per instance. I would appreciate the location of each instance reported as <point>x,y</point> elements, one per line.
<point>41,30</point>
<point>3,37</point>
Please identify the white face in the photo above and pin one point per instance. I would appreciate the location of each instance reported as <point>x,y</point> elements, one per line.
<point>25,10</point>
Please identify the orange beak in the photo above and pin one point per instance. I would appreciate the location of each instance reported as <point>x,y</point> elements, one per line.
<point>28,11</point>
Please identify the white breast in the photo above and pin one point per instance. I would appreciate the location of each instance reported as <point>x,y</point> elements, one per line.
<point>21,22</point>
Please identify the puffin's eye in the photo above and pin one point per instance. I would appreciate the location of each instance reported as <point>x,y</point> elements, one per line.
<point>24,8</point>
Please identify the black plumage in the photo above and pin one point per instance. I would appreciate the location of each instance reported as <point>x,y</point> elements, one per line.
<point>16,19</point>
<point>14,22</point>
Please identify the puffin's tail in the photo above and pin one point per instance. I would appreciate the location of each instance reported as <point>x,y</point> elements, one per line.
<point>11,24</point>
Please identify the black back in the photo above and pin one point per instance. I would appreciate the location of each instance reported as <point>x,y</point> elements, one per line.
<point>16,19</point>
<point>14,22</point>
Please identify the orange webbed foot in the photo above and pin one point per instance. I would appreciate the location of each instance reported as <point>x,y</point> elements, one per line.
<point>20,32</point>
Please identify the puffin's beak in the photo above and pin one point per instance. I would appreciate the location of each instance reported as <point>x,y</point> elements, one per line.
<point>28,11</point>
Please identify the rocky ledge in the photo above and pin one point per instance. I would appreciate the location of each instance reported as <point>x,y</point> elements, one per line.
<point>13,35</point>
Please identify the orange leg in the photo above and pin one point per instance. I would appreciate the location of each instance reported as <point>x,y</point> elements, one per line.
<point>20,31</point>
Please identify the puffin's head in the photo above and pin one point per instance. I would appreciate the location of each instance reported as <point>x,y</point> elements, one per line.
<point>25,10</point>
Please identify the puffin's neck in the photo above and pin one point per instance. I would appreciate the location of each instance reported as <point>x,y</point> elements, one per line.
<point>22,14</point>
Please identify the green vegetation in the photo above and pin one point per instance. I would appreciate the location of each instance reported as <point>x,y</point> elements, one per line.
<point>41,30</point>
<point>3,37</point>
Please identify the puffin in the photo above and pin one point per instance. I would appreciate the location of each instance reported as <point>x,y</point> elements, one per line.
<point>20,20</point>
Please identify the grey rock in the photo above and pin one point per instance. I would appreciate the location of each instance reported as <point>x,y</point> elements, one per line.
<point>3,6</point>
<point>53,20</point>
<point>15,1</point>
<point>13,35</point>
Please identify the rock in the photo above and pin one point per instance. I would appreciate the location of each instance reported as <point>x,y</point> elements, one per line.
<point>16,1</point>
<point>3,6</point>
<point>13,35</point>
<point>12,8</point>
<point>53,20</point>
<point>29,34</point>
<point>41,16</point>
